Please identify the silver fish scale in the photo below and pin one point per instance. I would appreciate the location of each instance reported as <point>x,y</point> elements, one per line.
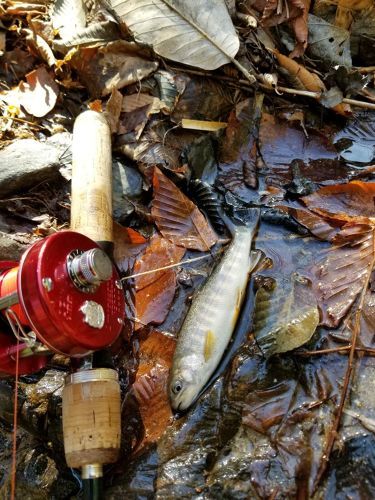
<point>212,300</point>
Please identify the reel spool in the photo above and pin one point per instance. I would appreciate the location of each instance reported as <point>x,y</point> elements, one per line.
<point>63,297</point>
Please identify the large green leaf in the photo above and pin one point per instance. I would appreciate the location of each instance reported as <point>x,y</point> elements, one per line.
<point>199,33</point>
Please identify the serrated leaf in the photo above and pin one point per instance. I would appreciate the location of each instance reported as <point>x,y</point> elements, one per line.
<point>286,315</point>
<point>177,218</point>
<point>150,386</point>
<point>344,272</point>
<point>199,34</point>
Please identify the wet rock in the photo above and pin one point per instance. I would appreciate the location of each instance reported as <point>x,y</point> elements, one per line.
<point>352,470</point>
<point>127,184</point>
<point>27,162</point>
<point>138,480</point>
<point>188,447</point>
<point>10,249</point>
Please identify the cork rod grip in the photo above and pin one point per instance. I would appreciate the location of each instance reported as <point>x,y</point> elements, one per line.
<point>91,211</point>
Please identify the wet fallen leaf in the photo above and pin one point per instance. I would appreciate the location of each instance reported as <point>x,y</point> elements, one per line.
<point>155,291</point>
<point>285,315</point>
<point>38,96</point>
<point>203,37</point>
<point>360,133</point>
<point>342,275</point>
<point>348,209</point>
<point>343,202</point>
<point>280,143</point>
<point>128,243</point>
<point>150,386</point>
<point>177,218</point>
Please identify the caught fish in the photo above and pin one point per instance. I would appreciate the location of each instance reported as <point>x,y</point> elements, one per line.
<point>211,319</point>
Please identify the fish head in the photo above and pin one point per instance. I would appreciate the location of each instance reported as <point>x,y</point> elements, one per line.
<point>184,386</point>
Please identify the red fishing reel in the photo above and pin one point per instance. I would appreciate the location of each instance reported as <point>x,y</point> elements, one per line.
<point>63,297</point>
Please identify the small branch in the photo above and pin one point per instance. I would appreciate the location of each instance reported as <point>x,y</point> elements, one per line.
<point>366,350</point>
<point>366,69</point>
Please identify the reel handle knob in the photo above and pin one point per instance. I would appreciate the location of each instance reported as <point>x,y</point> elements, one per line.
<point>90,268</point>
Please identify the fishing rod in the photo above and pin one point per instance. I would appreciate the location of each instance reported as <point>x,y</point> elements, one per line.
<point>65,296</point>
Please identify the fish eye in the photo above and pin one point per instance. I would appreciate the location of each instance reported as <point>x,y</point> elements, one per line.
<point>177,387</point>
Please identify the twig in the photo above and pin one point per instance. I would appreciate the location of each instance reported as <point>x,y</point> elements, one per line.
<point>345,389</point>
<point>244,84</point>
<point>366,350</point>
<point>366,69</point>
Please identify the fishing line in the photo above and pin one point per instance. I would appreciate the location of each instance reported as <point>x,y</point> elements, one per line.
<point>165,267</point>
<point>14,442</point>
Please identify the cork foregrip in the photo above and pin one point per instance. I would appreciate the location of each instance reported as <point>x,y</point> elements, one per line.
<point>91,211</point>
<point>91,422</point>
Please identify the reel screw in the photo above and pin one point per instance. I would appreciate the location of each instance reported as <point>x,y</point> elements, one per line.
<point>47,284</point>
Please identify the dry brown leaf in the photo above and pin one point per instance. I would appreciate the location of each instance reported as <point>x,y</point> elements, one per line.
<point>346,9</point>
<point>112,66</point>
<point>155,292</point>
<point>137,108</point>
<point>18,7</point>
<point>293,11</point>
<point>113,110</point>
<point>302,79</point>
<point>177,218</point>
<point>40,47</point>
<point>150,386</point>
<point>38,96</point>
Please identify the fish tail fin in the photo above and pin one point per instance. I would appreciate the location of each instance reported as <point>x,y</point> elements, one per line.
<point>252,221</point>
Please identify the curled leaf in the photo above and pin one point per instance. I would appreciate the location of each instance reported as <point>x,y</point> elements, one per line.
<point>38,96</point>
<point>177,218</point>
